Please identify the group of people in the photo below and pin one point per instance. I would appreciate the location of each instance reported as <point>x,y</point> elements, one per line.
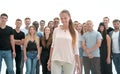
<point>98,48</point>
<point>60,49</point>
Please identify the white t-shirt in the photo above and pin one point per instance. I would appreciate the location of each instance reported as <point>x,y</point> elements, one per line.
<point>62,46</point>
<point>25,31</point>
<point>115,45</point>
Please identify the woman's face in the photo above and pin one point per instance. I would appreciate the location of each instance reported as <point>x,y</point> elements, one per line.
<point>32,31</point>
<point>101,28</point>
<point>79,27</point>
<point>85,27</point>
<point>51,24</point>
<point>47,31</point>
<point>64,18</point>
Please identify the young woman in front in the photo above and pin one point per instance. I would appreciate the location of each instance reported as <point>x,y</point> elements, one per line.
<point>64,53</point>
<point>31,50</point>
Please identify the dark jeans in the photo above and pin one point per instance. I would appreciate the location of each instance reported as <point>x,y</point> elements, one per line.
<point>44,60</point>
<point>18,62</point>
<point>91,64</point>
<point>116,60</point>
<point>22,61</point>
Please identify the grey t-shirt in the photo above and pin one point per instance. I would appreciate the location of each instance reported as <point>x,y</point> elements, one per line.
<point>90,39</point>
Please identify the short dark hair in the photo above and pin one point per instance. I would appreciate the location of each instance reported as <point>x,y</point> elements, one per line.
<point>35,24</point>
<point>18,20</point>
<point>116,20</point>
<point>107,17</point>
<point>56,18</point>
<point>4,14</point>
<point>42,21</point>
<point>27,18</point>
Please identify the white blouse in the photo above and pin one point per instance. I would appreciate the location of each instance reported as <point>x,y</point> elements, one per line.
<point>62,46</point>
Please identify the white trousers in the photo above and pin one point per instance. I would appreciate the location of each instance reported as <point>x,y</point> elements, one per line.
<point>57,66</point>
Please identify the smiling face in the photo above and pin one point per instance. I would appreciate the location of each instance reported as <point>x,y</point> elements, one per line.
<point>79,27</point>
<point>101,28</point>
<point>47,31</point>
<point>106,21</point>
<point>27,22</point>
<point>51,24</point>
<point>65,18</point>
<point>116,25</point>
<point>32,30</point>
<point>89,25</point>
<point>18,23</point>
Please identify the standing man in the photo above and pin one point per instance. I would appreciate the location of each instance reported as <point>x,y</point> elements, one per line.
<point>19,37</point>
<point>56,21</point>
<point>40,34</point>
<point>91,55</point>
<point>6,44</point>
<point>25,30</point>
<point>109,29</point>
<point>106,22</point>
<point>115,37</point>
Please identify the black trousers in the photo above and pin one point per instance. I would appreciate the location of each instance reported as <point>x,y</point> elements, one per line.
<point>105,68</point>
<point>44,60</point>
<point>17,62</point>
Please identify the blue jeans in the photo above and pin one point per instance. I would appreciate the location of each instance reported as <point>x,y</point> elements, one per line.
<point>7,56</point>
<point>81,52</point>
<point>31,62</point>
<point>116,60</point>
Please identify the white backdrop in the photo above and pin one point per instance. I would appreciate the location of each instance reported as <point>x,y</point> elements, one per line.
<point>81,10</point>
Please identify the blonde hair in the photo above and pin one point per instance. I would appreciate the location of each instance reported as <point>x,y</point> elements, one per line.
<point>35,36</point>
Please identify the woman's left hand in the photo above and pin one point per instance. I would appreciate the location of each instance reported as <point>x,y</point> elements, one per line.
<point>78,69</point>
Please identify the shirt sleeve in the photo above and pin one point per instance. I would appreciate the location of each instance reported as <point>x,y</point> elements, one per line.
<point>99,36</point>
<point>11,31</point>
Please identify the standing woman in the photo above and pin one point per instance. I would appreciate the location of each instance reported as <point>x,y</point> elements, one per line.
<point>105,50</point>
<point>64,51</point>
<point>46,42</point>
<point>31,50</point>
<point>79,28</point>
<point>84,28</point>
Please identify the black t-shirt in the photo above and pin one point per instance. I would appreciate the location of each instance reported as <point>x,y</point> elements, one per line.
<point>5,38</point>
<point>18,36</point>
<point>109,29</point>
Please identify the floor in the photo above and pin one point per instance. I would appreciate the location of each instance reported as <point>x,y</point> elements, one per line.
<point>4,68</point>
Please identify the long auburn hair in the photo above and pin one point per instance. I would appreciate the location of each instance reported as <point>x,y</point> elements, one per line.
<point>43,40</point>
<point>71,28</point>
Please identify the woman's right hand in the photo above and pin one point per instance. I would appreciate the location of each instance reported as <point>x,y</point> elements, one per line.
<point>49,65</point>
